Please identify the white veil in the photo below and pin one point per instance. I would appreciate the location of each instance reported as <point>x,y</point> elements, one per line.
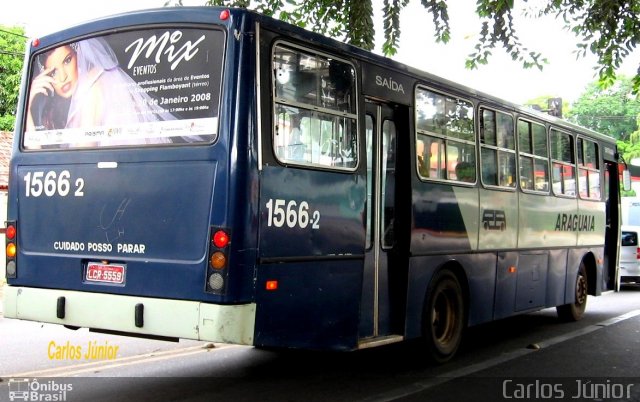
<point>123,101</point>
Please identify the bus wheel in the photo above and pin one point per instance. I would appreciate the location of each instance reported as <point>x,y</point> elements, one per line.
<point>574,311</point>
<point>443,317</point>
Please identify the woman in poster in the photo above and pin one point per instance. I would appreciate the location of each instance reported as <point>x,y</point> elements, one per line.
<point>81,85</point>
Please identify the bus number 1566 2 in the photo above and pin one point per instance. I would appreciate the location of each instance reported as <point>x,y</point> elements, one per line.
<point>293,215</point>
<point>50,183</point>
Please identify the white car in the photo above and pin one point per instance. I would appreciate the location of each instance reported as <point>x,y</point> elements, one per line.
<point>630,255</point>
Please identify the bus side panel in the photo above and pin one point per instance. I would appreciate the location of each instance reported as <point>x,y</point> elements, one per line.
<point>506,283</point>
<point>316,305</point>
<point>445,218</point>
<point>499,220</point>
<point>312,236</point>
<point>310,213</point>
<point>480,274</point>
<point>557,277</point>
<point>544,221</point>
<point>517,291</point>
<point>591,222</point>
<point>531,288</point>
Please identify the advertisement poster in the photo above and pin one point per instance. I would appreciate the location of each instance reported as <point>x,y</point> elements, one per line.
<point>158,86</point>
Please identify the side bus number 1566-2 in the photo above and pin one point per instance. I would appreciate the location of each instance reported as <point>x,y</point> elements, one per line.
<point>293,215</point>
<point>51,183</point>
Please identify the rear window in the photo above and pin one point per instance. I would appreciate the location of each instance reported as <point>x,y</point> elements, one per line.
<point>144,87</point>
<point>629,239</point>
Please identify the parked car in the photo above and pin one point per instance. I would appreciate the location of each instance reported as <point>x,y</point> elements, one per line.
<point>629,272</point>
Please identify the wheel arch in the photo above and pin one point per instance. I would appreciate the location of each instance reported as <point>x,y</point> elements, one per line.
<point>423,270</point>
<point>445,313</point>
<point>456,268</point>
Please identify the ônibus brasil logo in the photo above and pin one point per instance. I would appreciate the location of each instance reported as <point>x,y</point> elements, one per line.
<point>33,390</point>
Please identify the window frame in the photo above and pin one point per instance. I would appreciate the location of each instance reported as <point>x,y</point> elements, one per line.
<point>497,148</point>
<point>311,109</point>
<point>571,164</point>
<point>532,156</point>
<point>580,166</point>
<point>444,139</point>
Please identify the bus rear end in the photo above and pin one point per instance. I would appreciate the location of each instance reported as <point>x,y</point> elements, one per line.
<point>119,216</point>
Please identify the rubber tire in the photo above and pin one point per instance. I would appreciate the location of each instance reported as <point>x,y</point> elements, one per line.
<point>575,311</point>
<point>443,317</point>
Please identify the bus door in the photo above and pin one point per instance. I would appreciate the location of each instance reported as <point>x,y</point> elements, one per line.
<point>612,234</point>
<point>381,148</point>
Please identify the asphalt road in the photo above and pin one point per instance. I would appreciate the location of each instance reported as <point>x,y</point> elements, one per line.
<point>529,357</point>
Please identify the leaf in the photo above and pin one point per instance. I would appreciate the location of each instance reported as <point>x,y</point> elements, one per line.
<point>12,43</point>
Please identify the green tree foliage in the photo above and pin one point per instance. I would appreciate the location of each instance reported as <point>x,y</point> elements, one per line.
<point>606,28</point>
<point>12,45</point>
<point>347,20</point>
<point>612,111</point>
<point>609,29</point>
<point>630,149</point>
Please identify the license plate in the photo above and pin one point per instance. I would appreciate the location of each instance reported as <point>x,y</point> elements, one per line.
<point>105,273</point>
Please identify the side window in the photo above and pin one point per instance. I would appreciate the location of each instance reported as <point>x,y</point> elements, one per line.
<point>588,170</point>
<point>533,158</point>
<point>629,239</point>
<point>315,120</point>
<point>445,142</point>
<point>497,149</point>
<point>563,163</point>
<point>388,182</point>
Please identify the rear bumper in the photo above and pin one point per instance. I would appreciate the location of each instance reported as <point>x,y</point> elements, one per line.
<point>161,317</point>
<point>629,279</point>
<point>631,270</point>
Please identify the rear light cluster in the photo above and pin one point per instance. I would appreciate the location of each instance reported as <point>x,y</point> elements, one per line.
<point>218,264</point>
<point>11,235</point>
<point>638,253</point>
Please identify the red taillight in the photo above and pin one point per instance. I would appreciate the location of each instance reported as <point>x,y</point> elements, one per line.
<point>35,42</point>
<point>11,232</point>
<point>220,239</point>
<point>637,252</point>
<point>218,270</point>
<point>271,285</point>
<point>224,15</point>
<point>11,249</point>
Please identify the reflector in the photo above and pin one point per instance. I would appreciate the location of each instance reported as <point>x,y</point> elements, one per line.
<point>216,281</point>
<point>11,269</point>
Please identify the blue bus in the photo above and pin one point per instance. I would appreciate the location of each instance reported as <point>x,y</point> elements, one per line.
<point>215,174</point>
